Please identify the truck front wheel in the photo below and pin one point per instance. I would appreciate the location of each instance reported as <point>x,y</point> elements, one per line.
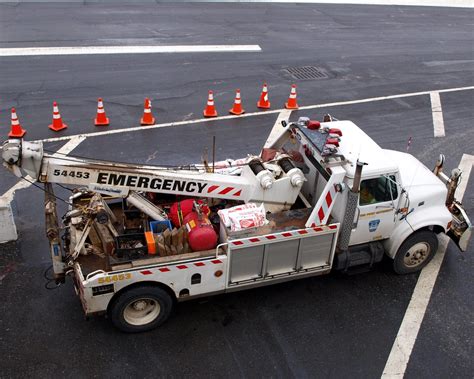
<point>415,252</point>
<point>140,309</point>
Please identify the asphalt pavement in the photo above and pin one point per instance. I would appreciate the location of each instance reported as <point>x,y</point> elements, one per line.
<point>330,326</point>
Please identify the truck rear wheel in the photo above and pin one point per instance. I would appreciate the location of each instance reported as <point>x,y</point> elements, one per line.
<point>415,252</point>
<point>140,309</point>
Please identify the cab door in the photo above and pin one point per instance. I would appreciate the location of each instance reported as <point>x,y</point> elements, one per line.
<point>375,215</point>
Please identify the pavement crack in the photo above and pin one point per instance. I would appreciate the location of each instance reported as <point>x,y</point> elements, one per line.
<point>152,156</point>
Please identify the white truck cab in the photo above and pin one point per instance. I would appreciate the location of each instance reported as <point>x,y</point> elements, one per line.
<point>398,194</point>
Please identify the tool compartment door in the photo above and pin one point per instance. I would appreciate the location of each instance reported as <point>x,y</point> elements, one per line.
<point>281,257</point>
<point>247,263</point>
<point>314,251</point>
<point>288,253</point>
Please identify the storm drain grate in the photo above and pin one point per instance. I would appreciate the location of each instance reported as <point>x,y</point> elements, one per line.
<point>307,73</point>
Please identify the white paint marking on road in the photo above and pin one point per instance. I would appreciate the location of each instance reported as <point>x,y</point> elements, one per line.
<point>327,105</point>
<point>382,98</point>
<point>467,162</point>
<point>66,149</point>
<point>404,342</point>
<point>70,146</point>
<point>19,185</point>
<point>448,63</point>
<point>418,3</point>
<point>93,50</point>
<point>9,231</point>
<point>437,112</point>
<point>277,127</point>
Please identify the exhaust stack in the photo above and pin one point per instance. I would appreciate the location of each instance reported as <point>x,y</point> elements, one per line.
<point>352,198</point>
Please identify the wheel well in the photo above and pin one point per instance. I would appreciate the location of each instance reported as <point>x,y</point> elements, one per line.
<point>433,228</point>
<point>141,284</point>
<point>392,249</point>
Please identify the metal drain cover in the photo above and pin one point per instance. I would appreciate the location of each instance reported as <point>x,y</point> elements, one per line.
<point>307,73</point>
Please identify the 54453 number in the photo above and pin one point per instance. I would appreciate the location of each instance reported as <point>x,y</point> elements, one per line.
<point>114,278</point>
<point>72,174</point>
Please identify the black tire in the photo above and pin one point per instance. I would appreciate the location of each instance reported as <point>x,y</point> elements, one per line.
<point>415,252</point>
<point>140,308</point>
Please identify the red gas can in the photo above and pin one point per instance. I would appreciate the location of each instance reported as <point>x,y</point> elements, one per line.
<point>184,207</point>
<point>201,234</point>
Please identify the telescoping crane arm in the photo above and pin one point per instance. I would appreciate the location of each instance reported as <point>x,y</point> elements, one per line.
<point>255,183</point>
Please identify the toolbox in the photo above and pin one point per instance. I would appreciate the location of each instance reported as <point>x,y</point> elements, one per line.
<point>131,246</point>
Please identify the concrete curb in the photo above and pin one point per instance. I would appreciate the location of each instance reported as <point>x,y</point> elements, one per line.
<point>8,230</point>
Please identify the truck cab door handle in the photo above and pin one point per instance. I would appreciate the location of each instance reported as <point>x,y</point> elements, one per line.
<point>356,221</point>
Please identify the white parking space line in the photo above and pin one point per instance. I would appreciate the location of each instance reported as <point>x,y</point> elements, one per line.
<point>66,149</point>
<point>70,146</point>
<point>8,195</point>
<point>261,113</point>
<point>437,112</point>
<point>420,3</point>
<point>93,50</point>
<point>403,346</point>
<point>467,162</point>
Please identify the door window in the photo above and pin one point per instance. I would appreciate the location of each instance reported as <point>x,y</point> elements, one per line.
<point>378,190</point>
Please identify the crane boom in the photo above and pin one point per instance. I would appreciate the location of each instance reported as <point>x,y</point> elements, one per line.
<point>254,183</point>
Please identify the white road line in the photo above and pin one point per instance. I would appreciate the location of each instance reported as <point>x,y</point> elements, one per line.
<point>66,149</point>
<point>437,112</point>
<point>88,50</point>
<point>467,162</point>
<point>403,346</point>
<point>8,195</point>
<point>277,127</point>
<point>261,113</point>
<point>420,3</point>
<point>70,146</point>
<point>382,98</point>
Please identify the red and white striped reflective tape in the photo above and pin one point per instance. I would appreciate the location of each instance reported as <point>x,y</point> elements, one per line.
<point>293,92</point>
<point>223,190</point>
<point>323,210</point>
<point>237,97</point>
<point>100,106</point>
<point>265,91</point>
<point>147,106</point>
<point>14,118</point>
<point>56,114</point>
<point>283,235</point>
<point>210,98</point>
<point>180,267</point>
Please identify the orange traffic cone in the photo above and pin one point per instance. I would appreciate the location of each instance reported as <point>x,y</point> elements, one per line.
<point>58,123</point>
<point>237,108</point>
<point>101,118</point>
<point>264,103</point>
<point>210,110</point>
<point>292,104</point>
<point>17,131</point>
<point>147,118</point>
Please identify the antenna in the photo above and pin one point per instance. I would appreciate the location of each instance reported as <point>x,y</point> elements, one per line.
<point>213,152</point>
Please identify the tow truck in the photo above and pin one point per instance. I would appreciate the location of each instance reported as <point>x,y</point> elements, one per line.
<point>334,200</point>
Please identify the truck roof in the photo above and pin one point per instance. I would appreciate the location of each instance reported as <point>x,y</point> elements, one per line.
<point>356,144</point>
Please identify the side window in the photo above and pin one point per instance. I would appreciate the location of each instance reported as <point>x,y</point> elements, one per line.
<point>378,190</point>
